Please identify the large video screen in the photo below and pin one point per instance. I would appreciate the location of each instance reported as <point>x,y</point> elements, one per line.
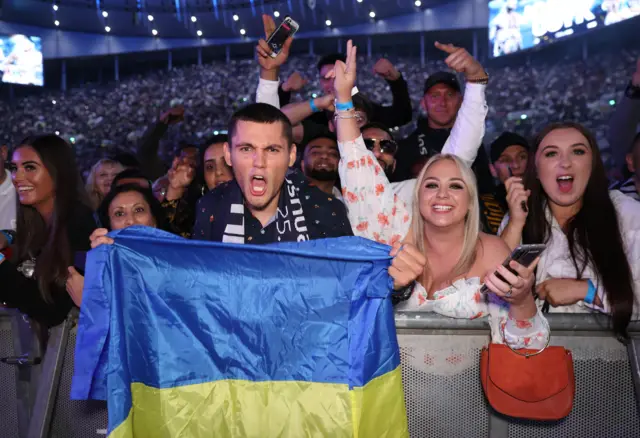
<point>21,60</point>
<point>516,25</point>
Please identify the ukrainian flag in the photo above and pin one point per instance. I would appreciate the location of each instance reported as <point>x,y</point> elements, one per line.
<point>198,339</point>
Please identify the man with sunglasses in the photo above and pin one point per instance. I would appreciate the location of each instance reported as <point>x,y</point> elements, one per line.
<point>378,139</point>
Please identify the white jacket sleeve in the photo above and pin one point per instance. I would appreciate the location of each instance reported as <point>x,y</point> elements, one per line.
<point>267,92</point>
<point>375,211</point>
<point>468,130</point>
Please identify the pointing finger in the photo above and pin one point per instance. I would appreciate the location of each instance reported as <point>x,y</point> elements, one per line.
<point>449,48</point>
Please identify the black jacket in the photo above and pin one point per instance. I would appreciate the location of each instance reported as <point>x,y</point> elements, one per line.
<point>324,215</point>
<point>23,293</point>
<point>425,142</point>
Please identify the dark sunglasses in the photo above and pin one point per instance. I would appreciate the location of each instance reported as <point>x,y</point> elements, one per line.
<point>386,146</point>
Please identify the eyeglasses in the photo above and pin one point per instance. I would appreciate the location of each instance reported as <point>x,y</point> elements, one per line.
<point>386,146</point>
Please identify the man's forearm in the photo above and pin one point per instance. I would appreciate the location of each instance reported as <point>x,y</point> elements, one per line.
<point>269,75</point>
<point>298,111</point>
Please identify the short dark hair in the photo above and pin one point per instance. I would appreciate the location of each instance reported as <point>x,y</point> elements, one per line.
<point>129,174</point>
<point>323,134</point>
<point>218,138</point>
<point>261,113</point>
<point>375,125</point>
<point>156,209</point>
<point>331,60</point>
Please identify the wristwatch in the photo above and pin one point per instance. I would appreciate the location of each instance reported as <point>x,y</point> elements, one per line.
<point>402,294</point>
<point>632,91</point>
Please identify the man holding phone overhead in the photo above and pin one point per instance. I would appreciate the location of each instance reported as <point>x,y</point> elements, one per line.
<point>269,64</point>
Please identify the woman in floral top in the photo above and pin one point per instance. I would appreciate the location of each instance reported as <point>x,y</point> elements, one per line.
<point>443,224</point>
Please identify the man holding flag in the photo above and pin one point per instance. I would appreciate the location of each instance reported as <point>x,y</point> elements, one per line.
<point>196,338</point>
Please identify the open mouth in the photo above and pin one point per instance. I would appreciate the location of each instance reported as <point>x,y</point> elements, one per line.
<point>439,208</point>
<point>24,189</point>
<point>258,185</point>
<point>565,183</point>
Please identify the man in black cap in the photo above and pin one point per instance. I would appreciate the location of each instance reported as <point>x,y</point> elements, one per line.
<point>509,155</point>
<point>445,107</point>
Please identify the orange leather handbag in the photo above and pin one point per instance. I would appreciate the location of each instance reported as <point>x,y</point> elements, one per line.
<point>528,384</point>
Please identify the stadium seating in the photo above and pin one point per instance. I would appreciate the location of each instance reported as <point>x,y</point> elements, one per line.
<point>100,119</point>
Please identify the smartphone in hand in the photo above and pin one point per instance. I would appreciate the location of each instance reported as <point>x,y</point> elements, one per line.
<point>524,255</point>
<point>286,29</point>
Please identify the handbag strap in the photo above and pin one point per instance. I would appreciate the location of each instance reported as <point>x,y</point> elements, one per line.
<point>504,339</point>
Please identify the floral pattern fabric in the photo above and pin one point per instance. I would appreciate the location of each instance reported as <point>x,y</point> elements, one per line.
<point>464,300</point>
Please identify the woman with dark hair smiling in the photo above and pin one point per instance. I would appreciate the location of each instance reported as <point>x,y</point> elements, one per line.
<point>54,222</point>
<point>124,206</point>
<point>592,260</point>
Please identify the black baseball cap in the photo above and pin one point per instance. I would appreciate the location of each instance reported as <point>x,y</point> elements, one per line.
<point>442,77</point>
<point>505,140</point>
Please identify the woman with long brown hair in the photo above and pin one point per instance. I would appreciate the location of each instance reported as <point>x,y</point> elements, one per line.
<point>592,260</point>
<point>54,223</point>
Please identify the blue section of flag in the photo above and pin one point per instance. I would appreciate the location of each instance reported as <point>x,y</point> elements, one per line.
<point>166,312</point>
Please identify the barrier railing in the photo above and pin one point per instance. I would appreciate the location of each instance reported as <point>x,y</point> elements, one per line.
<point>440,365</point>
<point>20,357</point>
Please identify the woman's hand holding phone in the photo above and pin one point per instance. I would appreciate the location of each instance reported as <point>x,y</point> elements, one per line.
<point>515,289</point>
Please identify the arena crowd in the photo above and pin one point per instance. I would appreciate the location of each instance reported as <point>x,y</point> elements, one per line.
<point>469,180</point>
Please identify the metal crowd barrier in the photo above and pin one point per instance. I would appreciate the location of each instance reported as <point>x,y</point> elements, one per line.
<point>440,366</point>
<point>20,356</point>
<point>444,397</point>
<point>55,415</point>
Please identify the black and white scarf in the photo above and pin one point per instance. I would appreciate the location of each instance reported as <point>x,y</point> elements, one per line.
<point>288,225</point>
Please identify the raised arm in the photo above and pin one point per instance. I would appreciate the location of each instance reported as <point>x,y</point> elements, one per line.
<point>267,91</point>
<point>298,111</point>
<point>624,121</point>
<point>468,130</point>
<point>375,212</point>
<point>400,112</point>
<point>294,83</point>
<point>513,223</point>
<point>147,152</point>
